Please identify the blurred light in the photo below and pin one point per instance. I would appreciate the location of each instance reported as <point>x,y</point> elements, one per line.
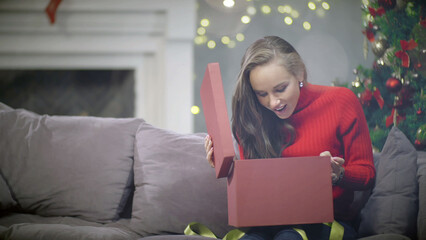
<point>280,9</point>
<point>307,26</point>
<point>266,9</point>
<point>287,9</point>
<point>356,84</point>
<point>211,44</point>
<point>201,31</point>
<point>240,37</point>
<point>231,44</point>
<point>294,13</point>
<point>200,40</point>
<point>288,20</point>
<point>225,40</point>
<point>325,5</point>
<point>205,22</point>
<point>245,19</point>
<point>251,10</point>
<point>366,2</point>
<point>320,12</point>
<point>312,5</point>
<point>228,3</point>
<point>195,110</point>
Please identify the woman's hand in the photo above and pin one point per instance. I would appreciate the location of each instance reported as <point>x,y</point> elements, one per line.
<point>208,145</point>
<point>337,169</point>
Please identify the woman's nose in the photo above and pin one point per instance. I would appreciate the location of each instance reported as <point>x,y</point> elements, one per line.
<point>274,102</point>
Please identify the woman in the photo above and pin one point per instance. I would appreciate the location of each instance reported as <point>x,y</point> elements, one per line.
<point>276,112</point>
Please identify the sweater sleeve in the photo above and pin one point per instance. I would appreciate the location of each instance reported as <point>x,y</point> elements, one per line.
<point>358,154</point>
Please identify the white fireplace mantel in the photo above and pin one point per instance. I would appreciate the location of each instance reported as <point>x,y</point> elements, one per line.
<point>153,38</point>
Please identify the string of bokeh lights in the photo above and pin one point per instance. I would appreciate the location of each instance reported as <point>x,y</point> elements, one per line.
<point>290,16</point>
<point>289,13</point>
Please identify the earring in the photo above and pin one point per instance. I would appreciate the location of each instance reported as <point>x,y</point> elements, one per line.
<point>301,84</point>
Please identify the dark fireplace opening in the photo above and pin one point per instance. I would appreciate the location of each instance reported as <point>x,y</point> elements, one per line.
<point>102,93</point>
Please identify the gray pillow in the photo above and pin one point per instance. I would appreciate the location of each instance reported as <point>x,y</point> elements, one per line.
<point>421,175</point>
<point>68,166</point>
<point>6,199</point>
<point>393,205</point>
<point>175,185</point>
<point>4,107</point>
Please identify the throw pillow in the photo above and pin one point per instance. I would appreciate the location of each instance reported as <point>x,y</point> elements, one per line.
<point>4,107</point>
<point>6,199</point>
<point>68,166</point>
<point>392,207</point>
<point>175,185</point>
<point>421,175</point>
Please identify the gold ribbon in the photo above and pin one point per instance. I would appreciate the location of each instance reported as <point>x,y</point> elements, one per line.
<point>336,233</point>
<point>195,228</point>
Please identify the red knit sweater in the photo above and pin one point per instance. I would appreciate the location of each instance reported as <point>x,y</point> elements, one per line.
<point>332,119</point>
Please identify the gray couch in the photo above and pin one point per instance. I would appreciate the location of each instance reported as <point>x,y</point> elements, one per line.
<point>68,177</point>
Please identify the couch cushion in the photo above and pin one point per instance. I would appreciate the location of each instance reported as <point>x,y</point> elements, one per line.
<point>176,237</point>
<point>175,185</point>
<point>68,166</point>
<point>392,207</point>
<point>6,199</point>
<point>4,107</point>
<point>421,175</point>
<point>64,232</point>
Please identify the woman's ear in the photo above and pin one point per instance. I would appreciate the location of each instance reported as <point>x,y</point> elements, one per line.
<point>301,76</point>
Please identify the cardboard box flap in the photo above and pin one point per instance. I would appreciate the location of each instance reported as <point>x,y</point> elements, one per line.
<point>217,121</point>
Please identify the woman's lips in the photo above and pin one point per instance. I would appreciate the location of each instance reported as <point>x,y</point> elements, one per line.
<point>280,109</point>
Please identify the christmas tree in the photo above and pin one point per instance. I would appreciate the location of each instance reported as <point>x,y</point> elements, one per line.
<point>392,90</point>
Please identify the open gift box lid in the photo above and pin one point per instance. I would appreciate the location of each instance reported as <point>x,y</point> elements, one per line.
<point>217,121</point>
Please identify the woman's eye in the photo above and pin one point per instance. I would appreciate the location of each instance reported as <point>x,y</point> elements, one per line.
<point>261,94</point>
<point>281,89</point>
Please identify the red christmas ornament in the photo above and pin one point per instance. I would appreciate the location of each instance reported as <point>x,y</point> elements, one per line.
<point>393,85</point>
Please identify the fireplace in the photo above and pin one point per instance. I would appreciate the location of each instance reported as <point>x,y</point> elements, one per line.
<point>102,93</point>
<point>151,40</point>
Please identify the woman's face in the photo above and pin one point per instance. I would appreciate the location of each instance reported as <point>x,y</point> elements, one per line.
<point>275,88</point>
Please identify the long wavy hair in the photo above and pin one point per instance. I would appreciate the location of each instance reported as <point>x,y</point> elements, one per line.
<point>258,130</point>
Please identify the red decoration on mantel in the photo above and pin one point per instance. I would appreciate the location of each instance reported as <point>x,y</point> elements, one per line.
<point>51,10</point>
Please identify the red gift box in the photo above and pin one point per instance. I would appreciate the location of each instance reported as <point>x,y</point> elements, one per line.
<point>264,192</point>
